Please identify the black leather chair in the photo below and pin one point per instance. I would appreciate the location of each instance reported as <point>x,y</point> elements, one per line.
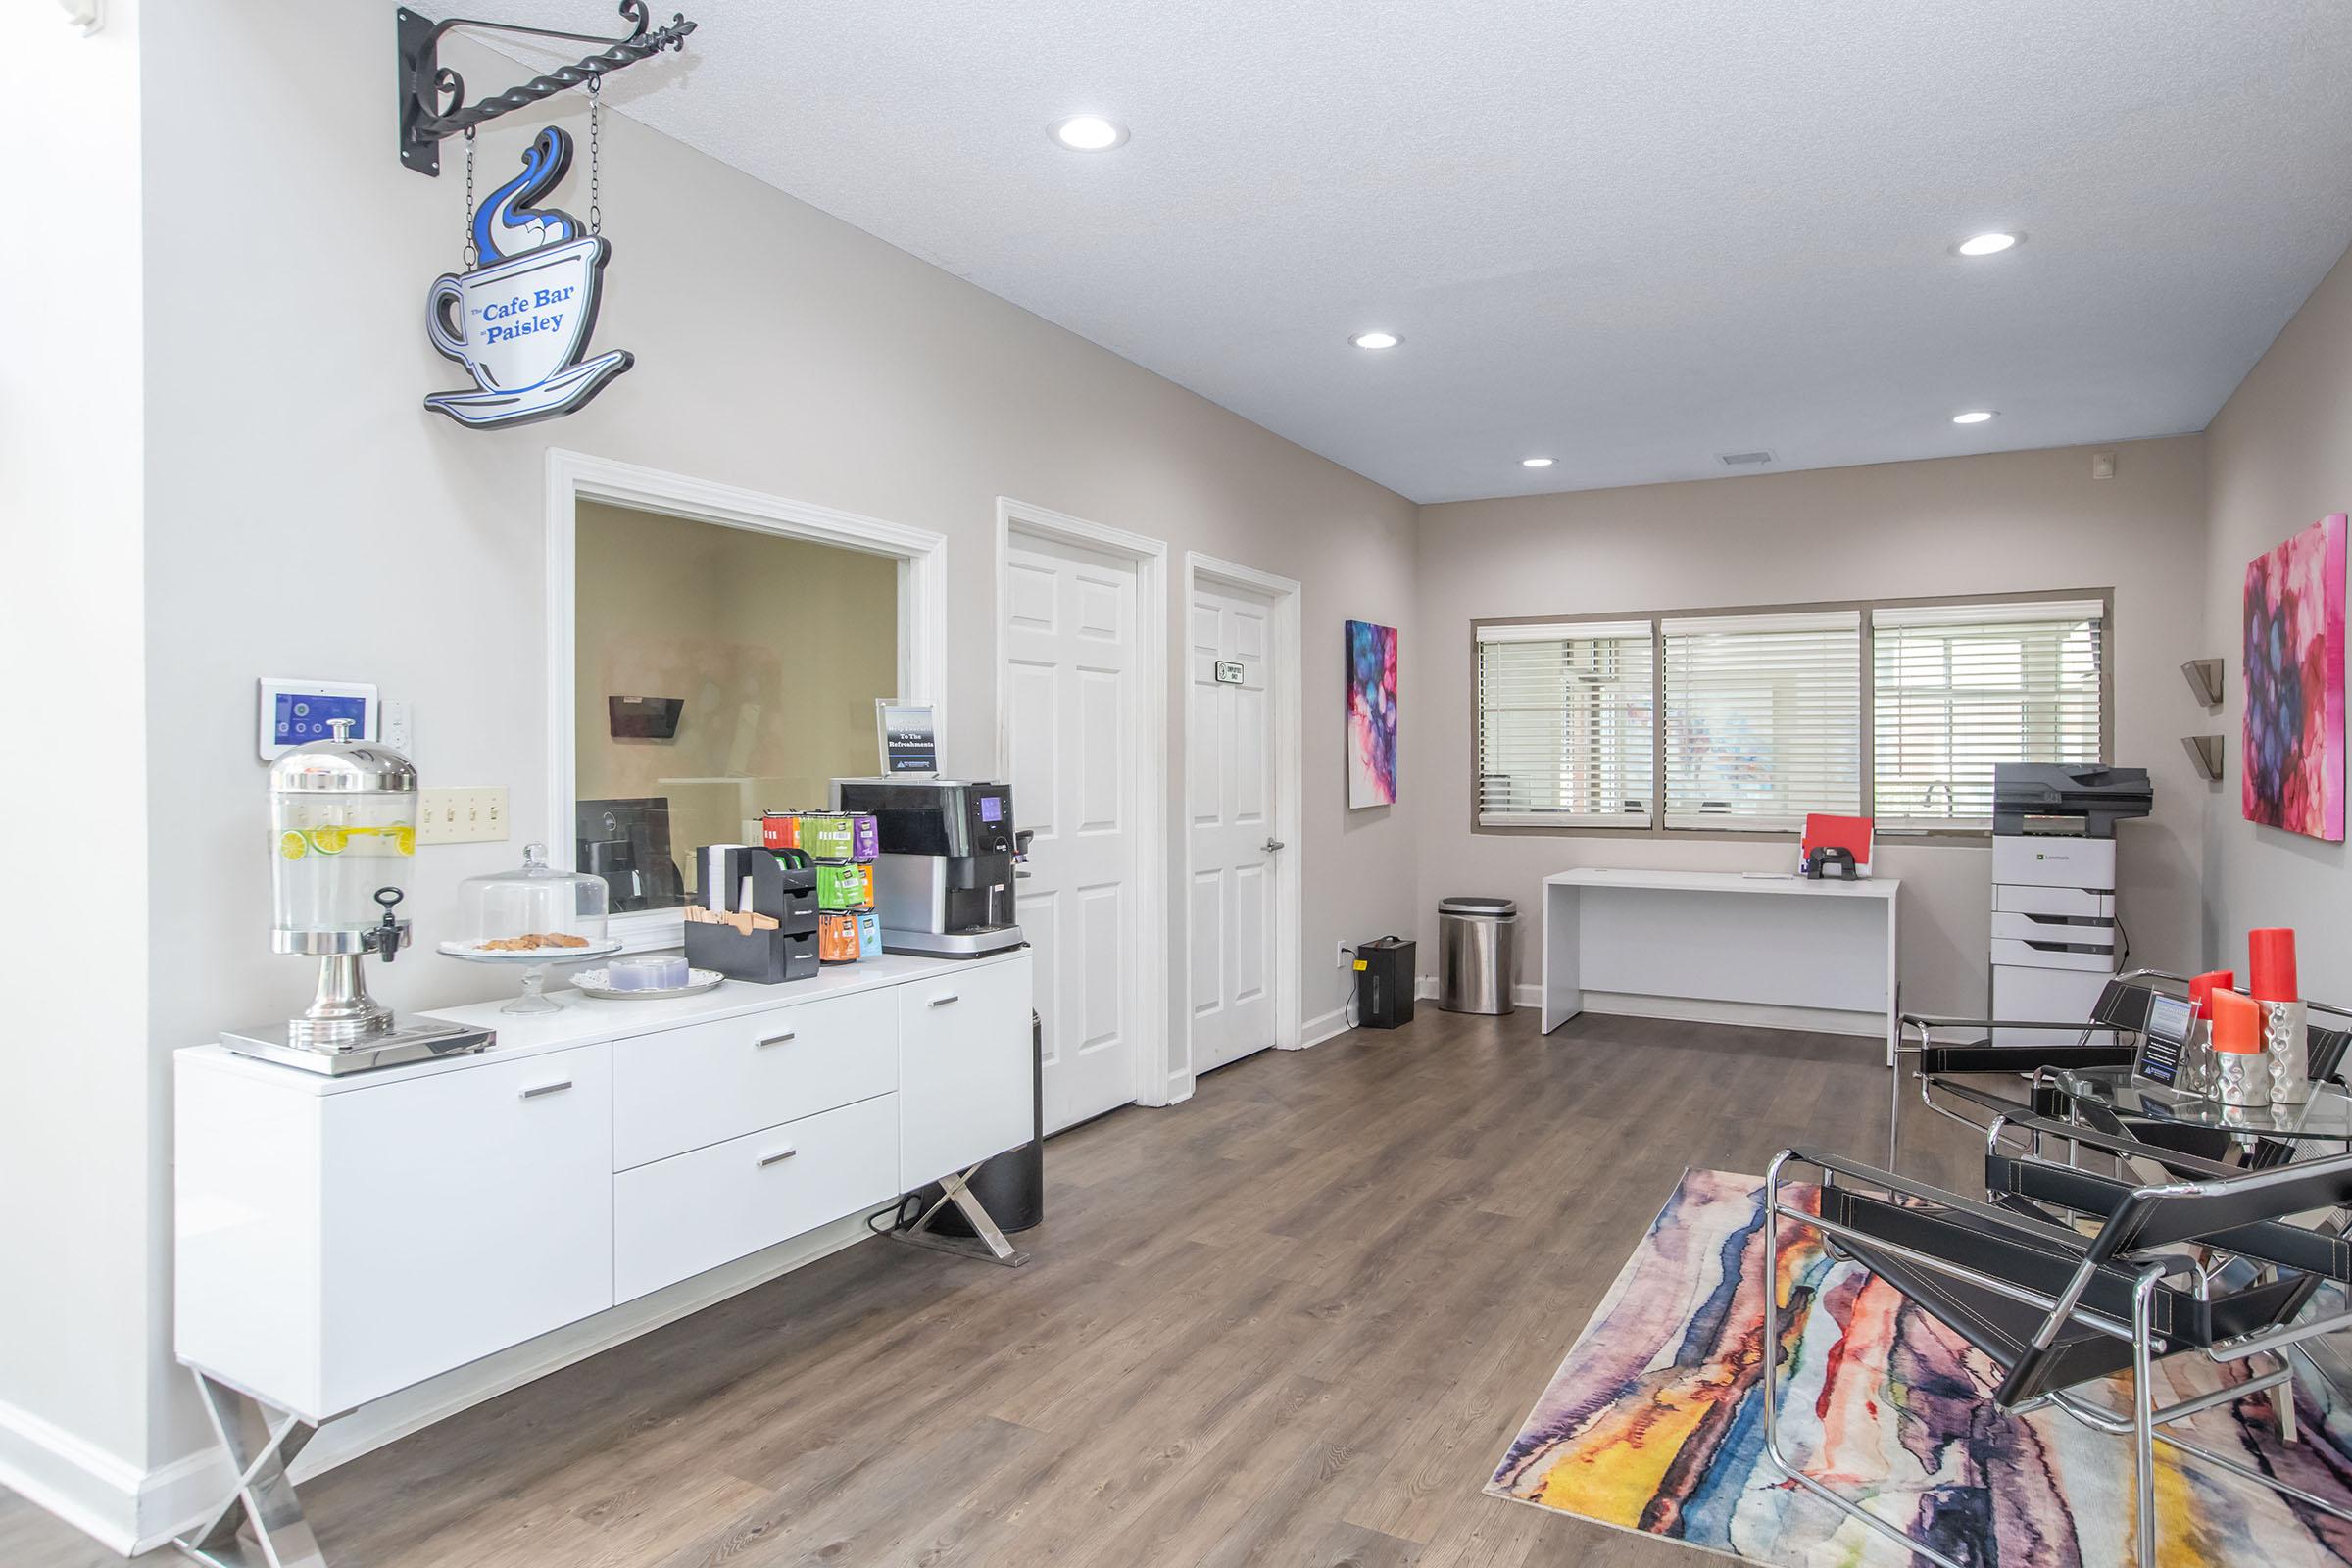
<point>2108,1038</point>
<point>2204,1264</point>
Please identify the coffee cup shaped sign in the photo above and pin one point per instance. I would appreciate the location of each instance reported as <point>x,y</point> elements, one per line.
<point>521,318</point>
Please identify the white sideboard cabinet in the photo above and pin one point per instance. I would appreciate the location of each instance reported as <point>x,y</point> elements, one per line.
<point>342,1239</point>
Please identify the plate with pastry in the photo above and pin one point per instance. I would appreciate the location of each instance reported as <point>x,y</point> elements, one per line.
<point>532,947</point>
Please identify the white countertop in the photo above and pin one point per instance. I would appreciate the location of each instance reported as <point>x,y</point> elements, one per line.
<point>1604,876</point>
<point>583,1019</point>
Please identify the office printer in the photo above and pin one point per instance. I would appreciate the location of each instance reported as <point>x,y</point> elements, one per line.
<point>2044,798</point>
<point>2056,933</point>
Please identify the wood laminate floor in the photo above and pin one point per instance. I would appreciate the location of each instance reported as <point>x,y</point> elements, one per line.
<point>1291,1322</point>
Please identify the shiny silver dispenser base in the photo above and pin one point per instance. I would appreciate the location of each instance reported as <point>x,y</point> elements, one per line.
<point>345,1029</point>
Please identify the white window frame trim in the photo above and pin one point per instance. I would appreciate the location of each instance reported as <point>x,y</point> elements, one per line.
<point>576,476</point>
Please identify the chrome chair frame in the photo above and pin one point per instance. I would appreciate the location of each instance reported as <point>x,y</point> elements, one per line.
<point>2110,1251</point>
<point>2029,1055</point>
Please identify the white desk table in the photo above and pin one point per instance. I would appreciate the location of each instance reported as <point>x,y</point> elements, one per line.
<point>1645,941</point>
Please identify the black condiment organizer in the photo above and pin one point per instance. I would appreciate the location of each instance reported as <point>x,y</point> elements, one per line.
<point>784,889</point>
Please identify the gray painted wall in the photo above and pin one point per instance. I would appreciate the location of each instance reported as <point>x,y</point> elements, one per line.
<point>306,515</point>
<point>2003,523</point>
<point>2279,458</point>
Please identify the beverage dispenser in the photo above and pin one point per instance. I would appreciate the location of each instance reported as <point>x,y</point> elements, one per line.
<point>342,842</point>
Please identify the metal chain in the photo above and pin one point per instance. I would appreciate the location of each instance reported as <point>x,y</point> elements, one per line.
<point>468,251</point>
<point>596,120</point>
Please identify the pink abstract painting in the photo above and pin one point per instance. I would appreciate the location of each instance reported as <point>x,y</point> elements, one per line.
<point>2293,768</point>
<point>1371,714</point>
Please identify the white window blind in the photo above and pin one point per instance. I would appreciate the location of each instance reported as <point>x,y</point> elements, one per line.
<point>1763,718</point>
<point>1960,687</point>
<point>1565,724</point>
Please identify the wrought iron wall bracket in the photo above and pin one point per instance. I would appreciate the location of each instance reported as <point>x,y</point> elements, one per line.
<point>433,97</point>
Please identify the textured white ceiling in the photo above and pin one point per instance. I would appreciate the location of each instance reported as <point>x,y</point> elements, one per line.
<point>1628,234</point>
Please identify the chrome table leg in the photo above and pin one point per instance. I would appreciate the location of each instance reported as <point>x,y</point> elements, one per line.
<point>989,1242</point>
<point>260,1525</point>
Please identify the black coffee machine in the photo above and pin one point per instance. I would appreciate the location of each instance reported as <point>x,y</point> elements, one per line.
<point>944,883</point>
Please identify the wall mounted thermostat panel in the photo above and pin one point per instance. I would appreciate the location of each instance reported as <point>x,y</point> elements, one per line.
<point>295,712</point>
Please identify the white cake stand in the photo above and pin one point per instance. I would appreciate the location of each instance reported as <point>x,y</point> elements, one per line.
<point>534,962</point>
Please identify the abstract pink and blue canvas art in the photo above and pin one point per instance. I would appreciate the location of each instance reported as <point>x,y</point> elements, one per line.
<point>1371,714</point>
<point>2293,764</point>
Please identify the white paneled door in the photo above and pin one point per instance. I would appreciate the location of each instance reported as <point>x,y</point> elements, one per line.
<point>1231,787</point>
<point>1071,673</point>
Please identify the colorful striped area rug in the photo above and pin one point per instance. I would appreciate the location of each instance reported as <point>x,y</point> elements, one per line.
<point>1654,1423</point>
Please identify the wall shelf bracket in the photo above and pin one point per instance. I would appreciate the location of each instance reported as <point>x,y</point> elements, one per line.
<point>433,97</point>
<point>2206,751</point>
<point>2205,679</point>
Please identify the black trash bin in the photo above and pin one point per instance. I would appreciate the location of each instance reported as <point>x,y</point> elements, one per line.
<point>1011,1186</point>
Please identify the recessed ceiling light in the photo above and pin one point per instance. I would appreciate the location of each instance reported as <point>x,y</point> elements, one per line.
<point>1986,244</point>
<point>1972,416</point>
<point>1376,340</point>
<point>1534,462</point>
<point>1088,133</point>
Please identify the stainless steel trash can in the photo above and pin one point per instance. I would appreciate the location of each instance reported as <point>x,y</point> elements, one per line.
<point>1476,938</point>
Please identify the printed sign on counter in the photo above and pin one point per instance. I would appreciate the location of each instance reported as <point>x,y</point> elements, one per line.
<point>909,738</point>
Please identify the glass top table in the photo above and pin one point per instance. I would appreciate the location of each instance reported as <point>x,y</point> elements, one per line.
<point>2327,1116</point>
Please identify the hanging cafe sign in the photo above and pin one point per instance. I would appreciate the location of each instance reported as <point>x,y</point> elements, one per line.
<point>519,316</point>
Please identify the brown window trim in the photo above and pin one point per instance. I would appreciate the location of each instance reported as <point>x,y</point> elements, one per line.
<point>1657,828</point>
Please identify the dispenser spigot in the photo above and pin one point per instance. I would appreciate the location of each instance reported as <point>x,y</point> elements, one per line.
<point>387,937</point>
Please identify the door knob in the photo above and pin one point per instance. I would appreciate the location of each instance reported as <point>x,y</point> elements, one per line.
<point>1271,845</point>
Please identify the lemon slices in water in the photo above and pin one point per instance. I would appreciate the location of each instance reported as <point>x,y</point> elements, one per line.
<point>292,844</point>
<point>331,840</point>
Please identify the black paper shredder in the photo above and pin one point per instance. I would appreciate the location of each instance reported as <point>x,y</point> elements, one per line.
<point>1383,983</point>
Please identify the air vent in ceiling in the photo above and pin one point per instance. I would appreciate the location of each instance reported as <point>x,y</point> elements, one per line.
<point>1743,460</point>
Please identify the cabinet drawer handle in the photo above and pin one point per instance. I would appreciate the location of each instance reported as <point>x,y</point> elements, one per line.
<point>777,1040</point>
<point>780,1154</point>
<point>941,1001</point>
<point>555,1088</point>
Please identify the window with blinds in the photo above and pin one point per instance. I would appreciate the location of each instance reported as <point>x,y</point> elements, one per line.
<point>1566,731</point>
<point>1957,688</point>
<point>1763,718</point>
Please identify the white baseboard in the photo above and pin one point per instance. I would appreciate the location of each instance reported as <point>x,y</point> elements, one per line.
<point>95,1492</point>
<point>1753,1014</point>
<point>1323,1026</point>
<point>1527,993</point>
<point>174,1497</point>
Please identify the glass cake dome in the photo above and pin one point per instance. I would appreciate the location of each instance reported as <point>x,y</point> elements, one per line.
<point>534,915</point>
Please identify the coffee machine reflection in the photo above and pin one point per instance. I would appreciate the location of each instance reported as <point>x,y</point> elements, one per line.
<point>944,883</point>
<point>626,842</point>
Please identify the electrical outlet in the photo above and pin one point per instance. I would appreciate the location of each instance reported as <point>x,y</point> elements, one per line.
<point>1347,954</point>
<point>462,816</point>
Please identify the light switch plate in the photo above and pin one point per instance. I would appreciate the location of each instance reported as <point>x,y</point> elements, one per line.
<point>461,816</point>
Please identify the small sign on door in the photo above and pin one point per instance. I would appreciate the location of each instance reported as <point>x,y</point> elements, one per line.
<point>1229,673</point>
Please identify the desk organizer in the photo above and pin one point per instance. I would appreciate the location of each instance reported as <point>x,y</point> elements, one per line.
<point>762,925</point>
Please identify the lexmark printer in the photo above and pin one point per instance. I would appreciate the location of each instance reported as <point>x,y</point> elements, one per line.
<point>2054,923</point>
